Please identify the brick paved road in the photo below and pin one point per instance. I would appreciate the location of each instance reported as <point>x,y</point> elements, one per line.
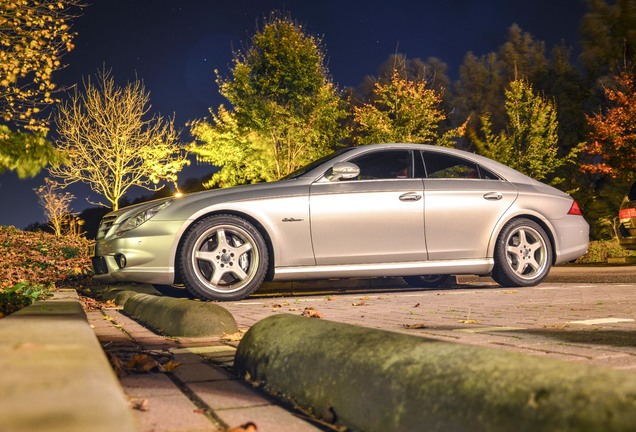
<point>575,316</point>
<point>581,322</point>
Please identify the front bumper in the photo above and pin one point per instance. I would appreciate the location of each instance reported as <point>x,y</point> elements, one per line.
<point>144,255</point>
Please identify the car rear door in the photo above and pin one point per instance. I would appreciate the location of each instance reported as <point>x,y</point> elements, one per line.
<point>463,203</point>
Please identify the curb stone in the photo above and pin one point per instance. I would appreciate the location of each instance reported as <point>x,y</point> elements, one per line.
<point>178,317</point>
<point>54,376</point>
<point>181,317</point>
<point>375,380</point>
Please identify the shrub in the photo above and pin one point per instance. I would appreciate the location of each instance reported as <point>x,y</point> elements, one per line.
<point>600,251</point>
<point>20,295</point>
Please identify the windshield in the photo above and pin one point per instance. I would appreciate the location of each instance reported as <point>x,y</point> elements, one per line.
<point>310,166</point>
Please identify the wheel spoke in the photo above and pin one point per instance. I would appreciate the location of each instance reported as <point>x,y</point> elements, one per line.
<point>240,250</point>
<point>221,240</point>
<point>205,256</point>
<point>217,275</point>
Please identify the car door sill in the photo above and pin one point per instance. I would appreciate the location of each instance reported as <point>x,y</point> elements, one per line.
<point>468,266</point>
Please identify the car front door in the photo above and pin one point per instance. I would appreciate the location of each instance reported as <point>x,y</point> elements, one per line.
<point>376,218</point>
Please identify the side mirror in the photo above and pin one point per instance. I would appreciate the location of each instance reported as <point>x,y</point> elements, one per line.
<point>343,171</point>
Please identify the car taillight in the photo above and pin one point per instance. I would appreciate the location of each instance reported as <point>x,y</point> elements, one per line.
<point>575,209</point>
<point>627,213</point>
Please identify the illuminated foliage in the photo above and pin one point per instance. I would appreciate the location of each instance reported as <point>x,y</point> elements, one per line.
<point>109,143</point>
<point>403,110</point>
<point>612,141</point>
<point>240,154</point>
<point>25,153</point>
<point>530,141</point>
<point>34,35</point>
<point>286,111</point>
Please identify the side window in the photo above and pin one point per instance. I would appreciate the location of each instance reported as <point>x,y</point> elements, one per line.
<point>390,164</point>
<point>440,166</point>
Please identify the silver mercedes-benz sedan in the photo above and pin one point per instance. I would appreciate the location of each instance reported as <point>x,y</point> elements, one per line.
<point>420,212</point>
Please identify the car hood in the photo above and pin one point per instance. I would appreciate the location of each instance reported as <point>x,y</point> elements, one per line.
<point>191,203</point>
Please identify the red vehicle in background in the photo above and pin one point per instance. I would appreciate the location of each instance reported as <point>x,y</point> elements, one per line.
<point>626,224</point>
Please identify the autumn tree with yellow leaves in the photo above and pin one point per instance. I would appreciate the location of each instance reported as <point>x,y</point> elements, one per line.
<point>110,143</point>
<point>403,110</point>
<point>34,35</point>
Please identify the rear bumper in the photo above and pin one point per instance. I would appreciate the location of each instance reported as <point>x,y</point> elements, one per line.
<point>573,239</point>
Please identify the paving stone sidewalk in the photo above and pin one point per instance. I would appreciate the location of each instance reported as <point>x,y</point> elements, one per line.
<point>200,394</point>
<point>587,323</point>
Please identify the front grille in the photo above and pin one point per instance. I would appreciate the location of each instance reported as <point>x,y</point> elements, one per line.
<point>105,225</point>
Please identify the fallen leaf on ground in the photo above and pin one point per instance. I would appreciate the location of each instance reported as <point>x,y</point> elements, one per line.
<point>139,404</point>
<point>170,366</point>
<point>415,326</point>
<point>232,337</point>
<point>310,312</point>
<point>360,303</point>
<point>511,292</point>
<point>116,364</point>
<point>142,363</point>
<point>468,321</point>
<point>556,326</point>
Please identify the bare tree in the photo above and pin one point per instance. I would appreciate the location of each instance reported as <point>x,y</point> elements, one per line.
<point>56,205</point>
<point>111,145</point>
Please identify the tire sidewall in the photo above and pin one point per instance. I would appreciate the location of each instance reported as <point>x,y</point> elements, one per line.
<point>190,276</point>
<point>502,272</point>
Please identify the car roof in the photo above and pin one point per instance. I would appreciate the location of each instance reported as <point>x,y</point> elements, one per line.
<point>502,170</point>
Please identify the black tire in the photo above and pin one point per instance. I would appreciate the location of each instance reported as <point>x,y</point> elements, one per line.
<point>222,257</point>
<point>426,281</point>
<point>523,254</point>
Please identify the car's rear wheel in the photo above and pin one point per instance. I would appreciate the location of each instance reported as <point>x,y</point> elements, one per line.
<point>222,257</point>
<point>523,254</point>
<point>426,281</point>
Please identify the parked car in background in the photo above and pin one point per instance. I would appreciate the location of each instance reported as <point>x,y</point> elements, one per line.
<point>626,222</point>
<point>420,212</point>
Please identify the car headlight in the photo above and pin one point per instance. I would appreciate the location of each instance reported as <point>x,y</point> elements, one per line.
<point>140,217</point>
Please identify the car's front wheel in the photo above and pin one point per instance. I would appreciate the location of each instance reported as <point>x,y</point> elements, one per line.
<point>222,257</point>
<point>523,254</point>
<point>426,281</point>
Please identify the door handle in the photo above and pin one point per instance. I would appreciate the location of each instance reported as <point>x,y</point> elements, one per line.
<point>410,196</point>
<point>493,196</point>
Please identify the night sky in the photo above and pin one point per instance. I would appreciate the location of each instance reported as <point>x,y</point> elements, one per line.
<point>175,46</point>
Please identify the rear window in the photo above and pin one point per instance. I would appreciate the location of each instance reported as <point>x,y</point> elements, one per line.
<point>444,166</point>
